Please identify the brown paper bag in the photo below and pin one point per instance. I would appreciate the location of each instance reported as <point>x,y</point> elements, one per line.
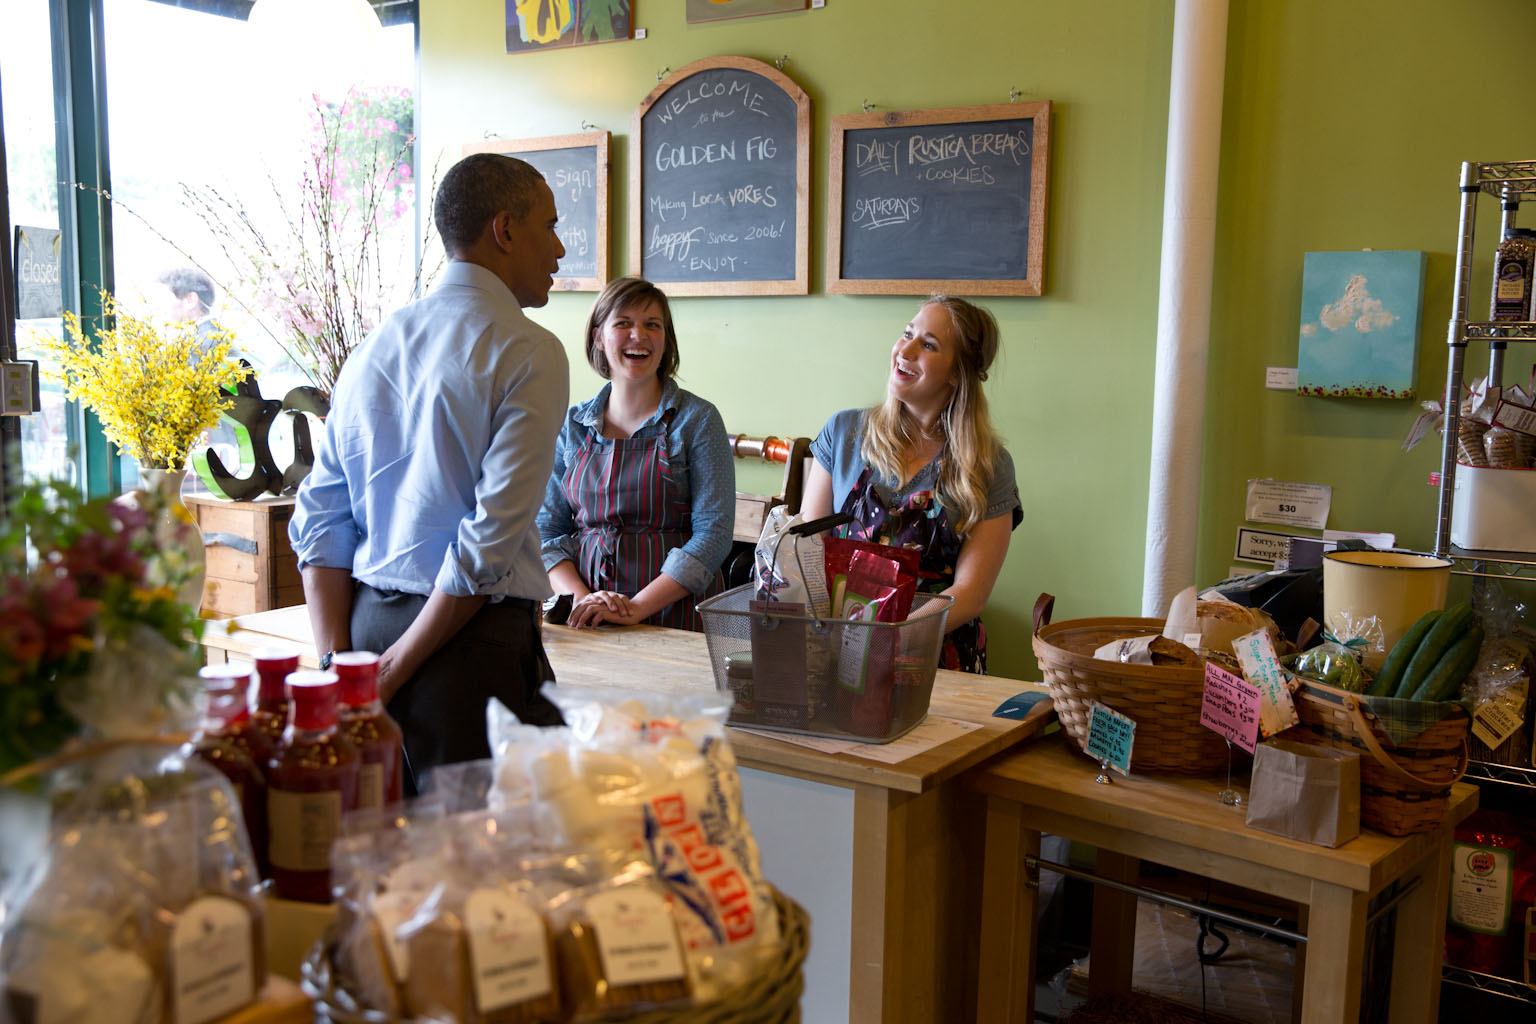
<point>1305,792</point>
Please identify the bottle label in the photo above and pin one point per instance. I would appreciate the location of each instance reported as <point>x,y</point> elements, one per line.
<point>211,966</point>
<point>1480,888</point>
<point>508,949</point>
<point>302,827</point>
<point>635,936</point>
<point>370,787</point>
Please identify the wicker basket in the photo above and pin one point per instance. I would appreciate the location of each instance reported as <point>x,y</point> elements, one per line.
<point>1164,700</point>
<point>1404,788</point>
<point>773,997</point>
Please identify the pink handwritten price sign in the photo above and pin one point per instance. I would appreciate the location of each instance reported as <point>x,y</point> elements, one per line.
<point>1230,707</point>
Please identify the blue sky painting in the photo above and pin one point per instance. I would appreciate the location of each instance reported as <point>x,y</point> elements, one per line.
<point>1360,324</point>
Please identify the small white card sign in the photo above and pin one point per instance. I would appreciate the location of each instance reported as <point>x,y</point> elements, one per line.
<point>1256,653</point>
<point>1110,737</point>
<point>1290,504</point>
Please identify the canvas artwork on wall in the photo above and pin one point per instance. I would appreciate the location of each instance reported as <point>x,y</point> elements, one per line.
<point>551,24</point>
<point>717,10</point>
<point>1360,324</point>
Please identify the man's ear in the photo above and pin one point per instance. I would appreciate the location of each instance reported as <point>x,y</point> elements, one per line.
<point>500,228</point>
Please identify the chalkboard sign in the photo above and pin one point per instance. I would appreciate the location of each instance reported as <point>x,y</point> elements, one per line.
<point>939,200</point>
<point>576,167</point>
<point>720,181</point>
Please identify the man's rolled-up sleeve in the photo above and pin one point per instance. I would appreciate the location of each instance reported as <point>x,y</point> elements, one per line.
<point>515,473</point>
<point>322,530</point>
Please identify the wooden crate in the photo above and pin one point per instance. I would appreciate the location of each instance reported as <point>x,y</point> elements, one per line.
<point>250,564</point>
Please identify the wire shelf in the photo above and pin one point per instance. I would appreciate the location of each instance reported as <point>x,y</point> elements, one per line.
<point>1508,774</point>
<point>1506,987</point>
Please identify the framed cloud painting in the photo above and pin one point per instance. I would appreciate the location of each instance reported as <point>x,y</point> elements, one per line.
<point>1360,324</point>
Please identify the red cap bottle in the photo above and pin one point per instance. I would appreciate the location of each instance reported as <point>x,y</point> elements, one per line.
<point>311,783</point>
<point>365,722</point>
<point>270,714</point>
<point>225,741</point>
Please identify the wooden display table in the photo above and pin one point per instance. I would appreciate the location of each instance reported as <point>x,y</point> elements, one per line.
<point>250,563</point>
<point>1179,822</point>
<point>905,889</point>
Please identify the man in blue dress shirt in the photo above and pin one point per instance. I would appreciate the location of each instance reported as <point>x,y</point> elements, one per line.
<point>415,531</point>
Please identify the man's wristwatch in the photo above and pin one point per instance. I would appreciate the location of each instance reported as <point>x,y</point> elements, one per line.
<point>325,660</point>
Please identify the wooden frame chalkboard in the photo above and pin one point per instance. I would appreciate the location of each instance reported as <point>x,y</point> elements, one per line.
<point>576,167</point>
<point>719,191</point>
<point>949,200</point>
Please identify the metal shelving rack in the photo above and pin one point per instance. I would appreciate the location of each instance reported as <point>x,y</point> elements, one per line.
<point>1510,182</point>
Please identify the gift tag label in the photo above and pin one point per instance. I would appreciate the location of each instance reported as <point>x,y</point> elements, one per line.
<point>1111,736</point>
<point>211,965</point>
<point>1256,653</point>
<point>635,936</point>
<point>1230,707</point>
<point>508,949</point>
<point>1516,418</point>
<point>406,888</point>
<point>1480,888</point>
<point>1498,719</point>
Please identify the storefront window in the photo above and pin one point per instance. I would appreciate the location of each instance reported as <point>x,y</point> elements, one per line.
<point>48,437</point>
<point>234,159</point>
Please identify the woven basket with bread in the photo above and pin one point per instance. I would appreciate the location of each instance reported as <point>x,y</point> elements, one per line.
<point>1163,698</point>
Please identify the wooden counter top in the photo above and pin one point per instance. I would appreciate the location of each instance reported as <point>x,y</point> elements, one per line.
<point>653,657</point>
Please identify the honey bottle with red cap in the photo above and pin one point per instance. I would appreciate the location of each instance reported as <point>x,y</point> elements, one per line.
<point>365,722</point>
<point>226,741</point>
<point>270,712</point>
<point>311,783</point>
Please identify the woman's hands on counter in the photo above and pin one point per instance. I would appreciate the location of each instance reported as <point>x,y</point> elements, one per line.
<point>601,606</point>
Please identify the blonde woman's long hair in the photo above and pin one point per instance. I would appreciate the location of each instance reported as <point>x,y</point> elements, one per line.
<point>970,446</point>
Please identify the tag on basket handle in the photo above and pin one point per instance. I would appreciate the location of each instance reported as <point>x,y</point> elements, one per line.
<point>1256,653</point>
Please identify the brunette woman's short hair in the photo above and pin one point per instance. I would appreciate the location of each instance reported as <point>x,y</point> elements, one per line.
<point>621,294</point>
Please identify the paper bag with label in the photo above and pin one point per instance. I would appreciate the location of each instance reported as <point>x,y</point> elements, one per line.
<point>1305,792</point>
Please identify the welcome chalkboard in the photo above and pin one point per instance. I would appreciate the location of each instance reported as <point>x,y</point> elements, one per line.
<point>576,168</point>
<point>720,181</point>
<point>946,200</point>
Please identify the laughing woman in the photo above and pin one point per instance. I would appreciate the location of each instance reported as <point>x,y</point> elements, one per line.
<point>638,513</point>
<point>924,469</point>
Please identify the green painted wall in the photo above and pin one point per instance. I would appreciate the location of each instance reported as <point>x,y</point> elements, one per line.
<point>1344,126</point>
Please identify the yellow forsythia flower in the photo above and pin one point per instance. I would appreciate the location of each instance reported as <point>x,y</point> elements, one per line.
<point>154,388</point>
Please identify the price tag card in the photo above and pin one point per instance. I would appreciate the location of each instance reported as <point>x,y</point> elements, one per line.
<point>1290,504</point>
<point>1110,737</point>
<point>1498,719</point>
<point>1515,417</point>
<point>1256,653</point>
<point>1231,706</point>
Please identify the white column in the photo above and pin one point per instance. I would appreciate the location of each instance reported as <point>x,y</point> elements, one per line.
<point>1184,299</point>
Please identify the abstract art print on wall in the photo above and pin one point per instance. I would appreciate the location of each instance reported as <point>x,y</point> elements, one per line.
<point>1360,324</point>
<point>552,24</point>
<point>718,10</point>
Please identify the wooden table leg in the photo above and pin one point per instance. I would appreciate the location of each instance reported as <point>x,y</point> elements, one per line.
<point>909,870</point>
<point>1335,955</point>
<point>1112,959</point>
<point>1005,988</point>
<point>1417,941</point>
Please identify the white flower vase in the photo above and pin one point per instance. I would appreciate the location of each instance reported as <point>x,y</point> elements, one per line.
<point>177,533</point>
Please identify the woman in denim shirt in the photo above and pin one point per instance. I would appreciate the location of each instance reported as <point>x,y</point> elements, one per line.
<point>638,513</point>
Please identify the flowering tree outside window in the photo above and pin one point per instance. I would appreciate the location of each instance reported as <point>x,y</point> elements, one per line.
<point>322,273</point>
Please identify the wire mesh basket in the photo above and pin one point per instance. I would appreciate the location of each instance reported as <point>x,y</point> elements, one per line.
<point>790,670</point>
